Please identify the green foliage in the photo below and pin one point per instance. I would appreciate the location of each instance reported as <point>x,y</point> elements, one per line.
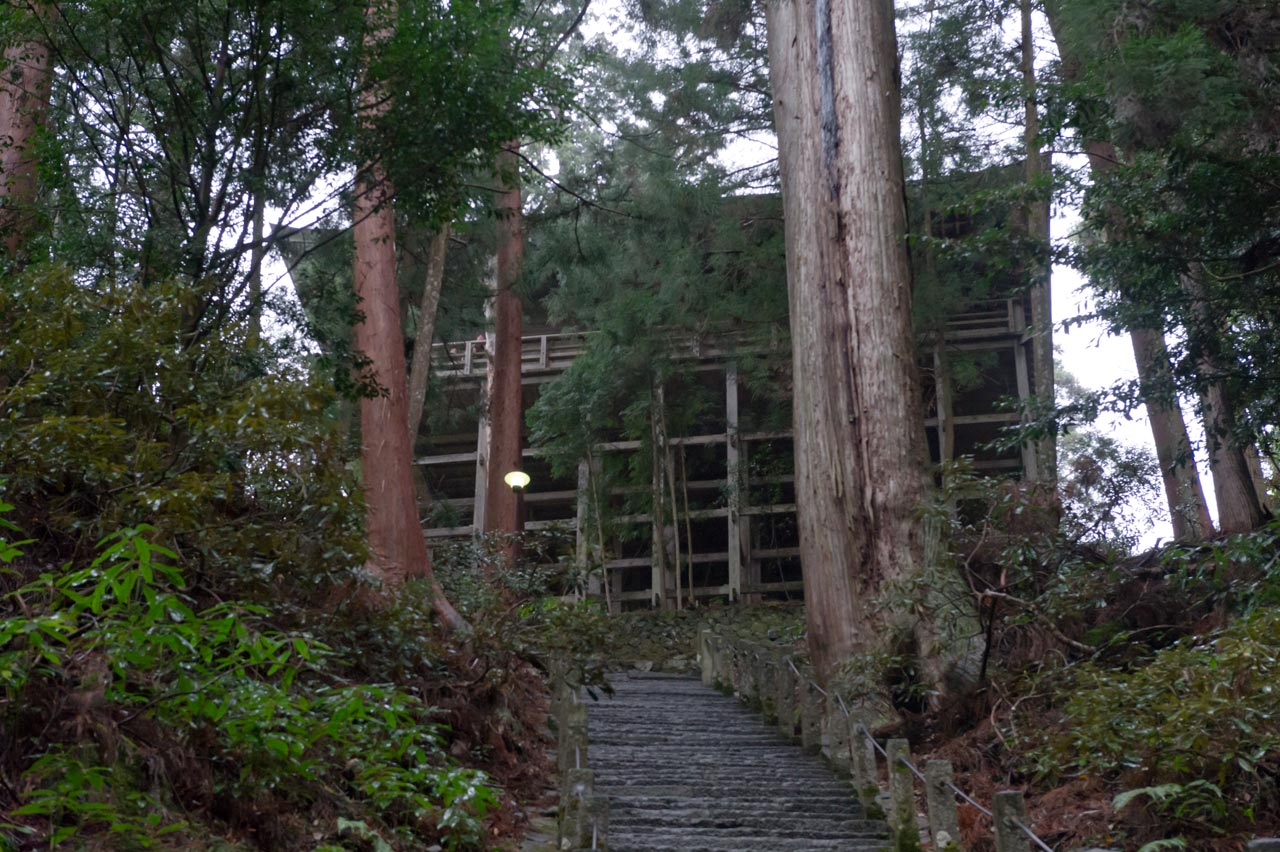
<point>260,705</point>
<point>518,611</point>
<point>124,423</point>
<point>1187,93</point>
<point>1196,726</point>
<point>1238,572</point>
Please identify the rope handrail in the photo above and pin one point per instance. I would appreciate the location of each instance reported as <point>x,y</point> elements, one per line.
<point>1031,834</point>
<point>912,767</point>
<point>962,794</point>
<point>862,729</point>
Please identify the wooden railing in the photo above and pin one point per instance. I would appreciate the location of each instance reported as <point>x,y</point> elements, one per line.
<point>768,677</point>
<point>553,353</point>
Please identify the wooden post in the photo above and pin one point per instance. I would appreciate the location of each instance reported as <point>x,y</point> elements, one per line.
<point>942,389</point>
<point>734,481</point>
<point>582,536</point>
<point>658,555</point>
<point>1030,471</point>
<point>902,799</point>
<point>482,462</point>
<point>944,828</point>
<point>1007,808</point>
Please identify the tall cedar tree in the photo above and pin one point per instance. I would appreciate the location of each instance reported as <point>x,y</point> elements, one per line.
<point>859,441</point>
<point>397,549</point>
<point>504,399</point>
<point>25,87</point>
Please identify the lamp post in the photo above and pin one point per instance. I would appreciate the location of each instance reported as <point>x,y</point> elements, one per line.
<point>517,481</point>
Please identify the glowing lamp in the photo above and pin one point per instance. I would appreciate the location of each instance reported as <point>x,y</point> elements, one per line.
<point>517,479</point>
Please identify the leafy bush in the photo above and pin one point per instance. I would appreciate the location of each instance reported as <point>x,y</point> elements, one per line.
<point>1194,734</point>
<point>116,414</point>
<point>164,685</point>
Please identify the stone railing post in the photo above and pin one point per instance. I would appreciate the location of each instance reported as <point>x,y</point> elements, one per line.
<point>944,827</point>
<point>902,799</point>
<point>706,663</point>
<point>598,819</point>
<point>862,768</point>
<point>1008,809</point>
<point>785,696</point>
<point>563,691</point>
<point>810,717</point>
<point>576,790</point>
<point>747,684</point>
<point>767,672</point>
<point>571,739</point>
<point>835,736</point>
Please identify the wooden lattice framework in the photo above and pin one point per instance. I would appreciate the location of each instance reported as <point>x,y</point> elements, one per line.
<point>739,565</point>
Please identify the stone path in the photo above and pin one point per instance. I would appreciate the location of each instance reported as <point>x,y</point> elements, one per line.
<point>687,769</point>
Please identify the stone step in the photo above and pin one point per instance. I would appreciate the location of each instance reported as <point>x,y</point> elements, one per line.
<point>687,769</point>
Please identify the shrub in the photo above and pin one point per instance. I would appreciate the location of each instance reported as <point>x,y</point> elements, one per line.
<point>1194,734</point>
<point>163,686</point>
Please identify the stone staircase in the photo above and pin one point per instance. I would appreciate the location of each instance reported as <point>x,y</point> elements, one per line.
<point>687,769</point>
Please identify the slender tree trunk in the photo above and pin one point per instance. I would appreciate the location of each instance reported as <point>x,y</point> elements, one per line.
<point>860,451</point>
<point>1239,509</point>
<point>397,548</point>
<point>658,515</point>
<point>1182,489</point>
<point>688,521</point>
<point>420,368</point>
<point>1253,458</point>
<point>668,465</point>
<point>505,406</point>
<point>1037,225</point>
<point>25,84</point>
<point>256,256</point>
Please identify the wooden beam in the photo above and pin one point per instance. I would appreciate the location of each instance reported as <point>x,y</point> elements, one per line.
<point>735,483</point>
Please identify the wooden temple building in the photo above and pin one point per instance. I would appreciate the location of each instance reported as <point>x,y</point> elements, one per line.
<point>735,532</point>
<point>736,473</point>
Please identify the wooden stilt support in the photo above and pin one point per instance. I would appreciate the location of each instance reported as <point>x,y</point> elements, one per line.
<point>736,483</point>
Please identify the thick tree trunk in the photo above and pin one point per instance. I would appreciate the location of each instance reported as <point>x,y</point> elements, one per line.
<point>1182,489</point>
<point>25,83</point>
<point>397,549</point>
<point>504,403</point>
<point>1253,458</point>
<point>860,452</point>
<point>420,368</point>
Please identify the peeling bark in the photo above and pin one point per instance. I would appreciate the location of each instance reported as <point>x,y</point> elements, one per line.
<point>860,449</point>
<point>505,398</point>
<point>397,548</point>
<point>25,84</point>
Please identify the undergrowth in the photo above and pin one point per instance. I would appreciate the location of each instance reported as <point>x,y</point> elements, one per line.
<point>145,711</point>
